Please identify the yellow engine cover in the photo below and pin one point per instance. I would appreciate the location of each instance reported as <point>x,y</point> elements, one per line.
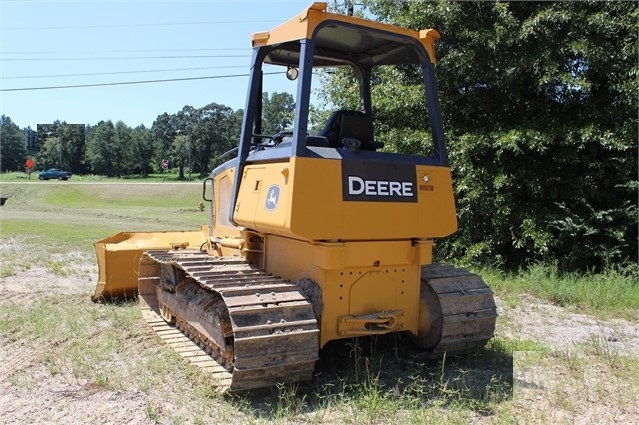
<point>328,199</point>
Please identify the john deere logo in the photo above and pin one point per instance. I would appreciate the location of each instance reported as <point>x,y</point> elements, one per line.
<point>383,182</point>
<point>272,197</point>
<point>359,186</point>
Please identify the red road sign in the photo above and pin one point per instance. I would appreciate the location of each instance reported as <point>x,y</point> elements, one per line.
<point>165,164</point>
<point>29,163</point>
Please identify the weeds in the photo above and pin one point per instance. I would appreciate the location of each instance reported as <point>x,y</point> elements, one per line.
<point>8,268</point>
<point>371,397</point>
<point>289,403</point>
<point>385,380</point>
<point>613,292</point>
<point>102,380</point>
<point>603,349</point>
<point>575,385</point>
<point>57,268</point>
<point>152,412</point>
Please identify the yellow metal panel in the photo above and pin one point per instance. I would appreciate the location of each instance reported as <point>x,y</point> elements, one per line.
<point>361,291</point>
<point>319,212</point>
<point>351,290</point>
<point>245,206</point>
<point>378,254</point>
<point>223,190</point>
<point>317,208</point>
<point>437,214</point>
<point>373,291</point>
<point>363,254</point>
<point>263,201</point>
<point>424,251</point>
<point>289,258</point>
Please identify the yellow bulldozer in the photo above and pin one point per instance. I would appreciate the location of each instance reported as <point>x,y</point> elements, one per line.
<point>312,237</point>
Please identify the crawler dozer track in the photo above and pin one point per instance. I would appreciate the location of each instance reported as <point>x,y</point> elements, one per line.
<point>246,327</point>
<point>461,310</point>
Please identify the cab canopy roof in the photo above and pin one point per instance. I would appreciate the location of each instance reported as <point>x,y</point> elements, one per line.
<point>341,40</point>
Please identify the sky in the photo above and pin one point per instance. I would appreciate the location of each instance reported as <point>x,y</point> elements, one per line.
<point>76,43</point>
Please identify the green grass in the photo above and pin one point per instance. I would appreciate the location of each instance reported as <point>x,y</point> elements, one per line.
<point>612,293</point>
<point>100,196</point>
<point>91,342</point>
<point>575,387</point>
<point>388,382</point>
<point>58,220</point>
<point>94,210</point>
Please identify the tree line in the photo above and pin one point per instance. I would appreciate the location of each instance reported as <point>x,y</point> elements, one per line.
<point>191,140</point>
<point>539,103</point>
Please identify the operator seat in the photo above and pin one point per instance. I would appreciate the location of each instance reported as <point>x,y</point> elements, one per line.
<point>352,124</point>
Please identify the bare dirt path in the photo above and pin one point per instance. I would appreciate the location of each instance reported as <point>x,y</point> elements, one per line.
<point>563,330</point>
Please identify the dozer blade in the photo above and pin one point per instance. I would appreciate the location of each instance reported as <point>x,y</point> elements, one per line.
<point>119,258</point>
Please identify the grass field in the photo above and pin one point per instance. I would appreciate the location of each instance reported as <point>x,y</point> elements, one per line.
<point>97,363</point>
<point>107,206</point>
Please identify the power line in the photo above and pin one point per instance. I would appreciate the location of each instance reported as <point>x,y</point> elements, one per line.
<point>135,25</point>
<point>122,83</point>
<point>122,58</point>
<point>49,52</point>
<point>199,68</point>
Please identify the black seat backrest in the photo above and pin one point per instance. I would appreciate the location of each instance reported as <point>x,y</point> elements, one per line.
<point>358,125</point>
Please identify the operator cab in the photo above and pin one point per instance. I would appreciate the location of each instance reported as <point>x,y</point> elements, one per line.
<point>356,53</point>
<point>275,171</point>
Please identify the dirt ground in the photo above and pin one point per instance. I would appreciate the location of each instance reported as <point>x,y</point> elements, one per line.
<point>59,398</point>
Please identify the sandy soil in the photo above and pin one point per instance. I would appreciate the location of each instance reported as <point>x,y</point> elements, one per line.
<point>565,331</point>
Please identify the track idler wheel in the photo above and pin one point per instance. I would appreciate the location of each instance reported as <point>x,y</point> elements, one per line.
<point>431,320</point>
